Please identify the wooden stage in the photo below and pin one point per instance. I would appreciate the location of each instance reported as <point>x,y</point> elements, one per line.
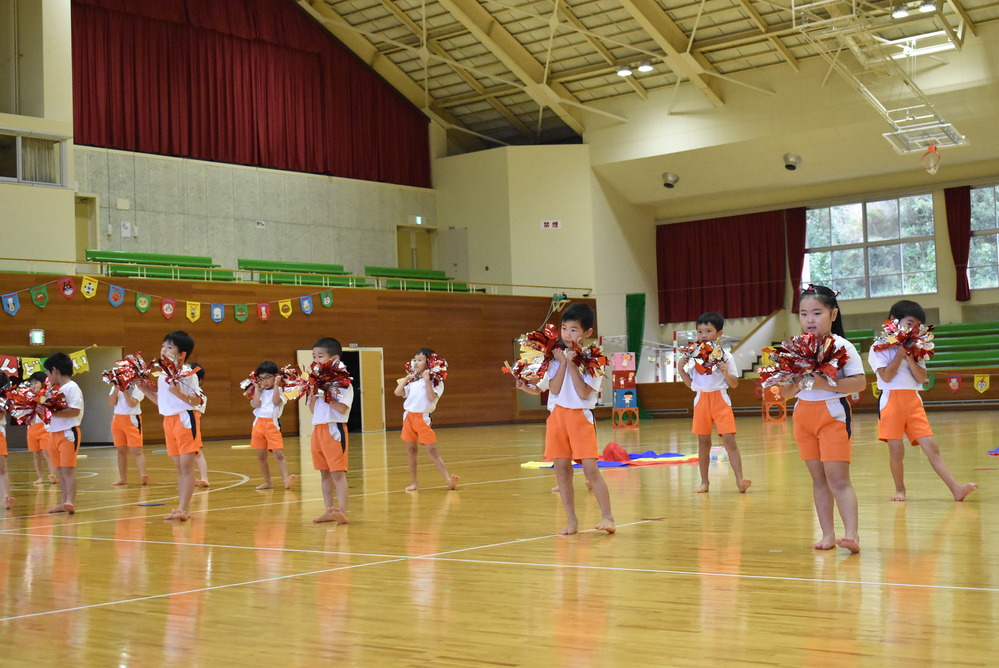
<point>477,577</point>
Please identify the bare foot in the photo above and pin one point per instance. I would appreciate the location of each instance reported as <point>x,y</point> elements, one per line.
<point>570,529</point>
<point>202,483</point>
<point>589,486</point>
<point>290,481</point>
<point>145,480</point>
<point>266,485</point>
<point>825,544</point>
<point>554,490</point>
<point>8,502</point>
<point>453,482</point>
<point>744,485</point>
<point>338,516</point>
<point>178,515</point>
<point>52,479</point>
<point>38,482</point>
<point>851,544</point>
<point>328,516</point>
<point>702,488</point>
<point>411,488</point>
<point>606,525</point>
<point>69,508</point>
<point>967,488</point>
<point>58,509</point>
<point>119,483</point>
<point>899,495</point>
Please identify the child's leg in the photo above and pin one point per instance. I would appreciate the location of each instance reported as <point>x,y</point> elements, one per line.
<point>283,468</point>
<point>411,451</point>
<point>342,495</point>
<point>8,500</point>
<point>140,464</point>
<point>52,472</point>
<point>823,498</point>
<point>202,469</point>
<point>450,480</point>
<point>122,453</point>
<point>932,450</point>
<point>265,469</point>
<point>838,477</point>
<point>36,459</point>
<point>703,461</point>
<point>563,474</point>
<point>326,483</point>
<point>735,460</point>
<point>600,492</point>
<point>67,485</point>
<point>896,453</point>
<point>185,485</point>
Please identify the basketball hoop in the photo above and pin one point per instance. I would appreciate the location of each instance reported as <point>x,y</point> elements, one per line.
<point>930,160</point>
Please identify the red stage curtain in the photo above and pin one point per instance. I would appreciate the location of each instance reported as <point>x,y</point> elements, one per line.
<point>958,202</point>
<point>251,82</point>
<point>733,265</point>
<point>795,232</point>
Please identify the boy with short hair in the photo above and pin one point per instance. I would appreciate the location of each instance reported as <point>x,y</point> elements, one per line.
<point>126,432</point>
<point>329,436</point>
<point>712,405</point>
<point>177,403</point>
<point>268,400</point>
<point>900,410</point>
<point>38,436</point>
<point>64,429</point>
<point>570,433</point>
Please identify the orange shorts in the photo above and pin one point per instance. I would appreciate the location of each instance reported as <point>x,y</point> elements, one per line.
<point>126,430</point>
<point>183,437</point>
<point>713,408</point>
<point>571,434</point>
<point>266,435</point>
<point>822,429</point>
<point>63,447</point>
<point>38,437</point>
<point>901,413</point>
<point>416,429</point>
<point>329,446</point>
<point>3,445</point>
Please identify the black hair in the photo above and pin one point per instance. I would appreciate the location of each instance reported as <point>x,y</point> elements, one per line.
<point>199,370</point>
<point>39,376</point>
<point>61,363</point>
<point>579,312</point>
<point>5,381</point>
<point>182,340</point>
<point>828,298</point>
<point>426,352</point>
<point>267,367</point>
<point>712,318</point>
<point>330,345</point>
<point>905,308</point>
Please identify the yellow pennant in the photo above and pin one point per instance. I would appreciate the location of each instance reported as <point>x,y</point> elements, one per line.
<point>193,311</point>
<point>81,362</point>
<point>284,307</point>
<point>876,389</point>
<point>31,365</point>
<point>89,287</point>
<point>982,382</point>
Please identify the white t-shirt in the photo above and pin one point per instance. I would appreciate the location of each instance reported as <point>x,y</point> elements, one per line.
<point>172,405</point>
<point>709,382</point>
<point>267,409</point>
<point>568,398</point>
<point>854,366</point>
<point>903,379</point>
<point>323,413</point>
<point>416,396</point>
<point>74,399</point>
<point>121,406</point>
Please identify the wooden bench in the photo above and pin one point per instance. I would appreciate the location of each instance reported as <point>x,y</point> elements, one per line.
<point>301,273</point>
<point>415,279</point>
<point>158,265</point>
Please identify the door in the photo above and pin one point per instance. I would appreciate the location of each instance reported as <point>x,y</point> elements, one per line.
<point>415,247</point>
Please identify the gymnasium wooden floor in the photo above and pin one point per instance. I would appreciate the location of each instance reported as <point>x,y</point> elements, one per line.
<point>478,576</point>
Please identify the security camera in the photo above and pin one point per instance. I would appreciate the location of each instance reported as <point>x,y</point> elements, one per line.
<point>791,161</point>
<point>670,180</point>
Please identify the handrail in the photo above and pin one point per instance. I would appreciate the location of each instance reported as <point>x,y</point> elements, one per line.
<point>757,328</point>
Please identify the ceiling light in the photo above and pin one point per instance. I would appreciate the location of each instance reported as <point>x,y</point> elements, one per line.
<point>899,12</point>
<point>928,6</point>
<point>645,66</point>
<point>624,71</point>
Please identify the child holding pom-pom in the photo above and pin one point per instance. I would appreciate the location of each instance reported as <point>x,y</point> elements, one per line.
<point>898,357</point>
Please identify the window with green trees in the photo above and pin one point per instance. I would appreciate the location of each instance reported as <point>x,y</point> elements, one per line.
<point>983,260</point>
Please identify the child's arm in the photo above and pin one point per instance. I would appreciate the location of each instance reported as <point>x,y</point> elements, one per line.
<point>522,385</point>
<point>847,385</point>
<point>732,381</point>
<point>683,374</point>
<point>582,389</point>
<point>193,400</point>
<point>789,390</point>
<point>255,399</point>
<point>918,372</point>
<point>277,398</point>
<point>555,384</point>
<point>113,396</point>
<point>149,390</point>
<point>130,400</point>
<point>886,373</point>
<point>401,383</point>
<point>429,385</point>
<point>66,413</point>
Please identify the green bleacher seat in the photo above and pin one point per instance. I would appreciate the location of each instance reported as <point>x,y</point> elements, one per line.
<point>432,280</point>
<point>163,259</point>
<point>290,267</point>
<point>321,280</point>
<point>396,272</point>
<point>301,273</point>
<point>429,286</point>
<point>179,273</point>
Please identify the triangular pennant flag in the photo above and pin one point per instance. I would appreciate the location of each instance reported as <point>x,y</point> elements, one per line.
<point>284,307</point>
<point>240,312</point>
<point>305,303</point>
<point>142,302</point>
<point>11,303</point>
<point>167,307</point>
<point>954,382</point>
<point>263,311</point>
<point>89,287</point>
<point>67,287</point>
<point>116,295</point>
<point>326,298</point>
<point>80,361</point>
<point>39,296</point>
<point>930,381</point>
<point>8,365</point>
<point>218,312</point>
<point>30,365</point>
<point>193,311</point>
<point>982,382</point>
